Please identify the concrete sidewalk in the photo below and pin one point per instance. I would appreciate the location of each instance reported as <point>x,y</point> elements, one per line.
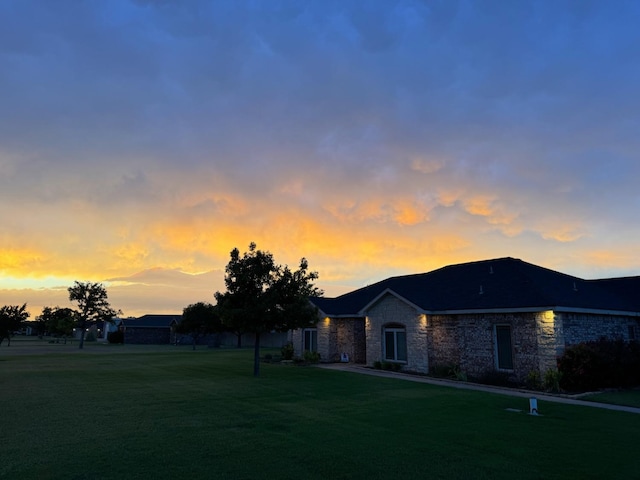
<point>558,398</point>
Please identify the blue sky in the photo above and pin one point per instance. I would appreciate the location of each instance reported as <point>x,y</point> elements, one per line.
<point>140,141</point>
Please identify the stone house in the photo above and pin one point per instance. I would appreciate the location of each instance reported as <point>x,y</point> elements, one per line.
<point>502,315</point>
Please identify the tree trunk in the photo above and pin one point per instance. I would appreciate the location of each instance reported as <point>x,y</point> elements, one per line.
<point>256,356</point>
<point>81,337</point>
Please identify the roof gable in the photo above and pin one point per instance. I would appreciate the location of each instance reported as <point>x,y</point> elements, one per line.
<point>374,301</point>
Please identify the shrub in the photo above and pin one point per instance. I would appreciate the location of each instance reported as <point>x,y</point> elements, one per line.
<point>115,337</point>
<point>391,366</point>
<point>533,381</point>
<point>600,364</point>
<point>458,374</point>
<point>496,378</point>
<point>377,365</point>
<point>552,380</point>
<point>311,357</point>
<point>453,372</point>
<point>287,351</point>
<point>440,371</point>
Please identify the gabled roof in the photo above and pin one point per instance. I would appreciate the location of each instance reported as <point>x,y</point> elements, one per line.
<point>504,284</point>
<point>152,321</point>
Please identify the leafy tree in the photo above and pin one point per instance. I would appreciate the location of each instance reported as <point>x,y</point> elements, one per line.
<point>11,316</point>
<point>45,319</point>
<point>199,319</point>
<point>41,324</point>
<point>93,305</point>
<point>263,297</point>
<point>59,322</point>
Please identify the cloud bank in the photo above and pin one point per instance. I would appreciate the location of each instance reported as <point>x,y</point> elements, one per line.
<point>141,139</point>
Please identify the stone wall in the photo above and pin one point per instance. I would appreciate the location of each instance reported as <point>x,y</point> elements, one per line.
<point>296,338</point>
<point>344,334</point>
<point>391,309</point>
<point>464,340</point>
<point>443,340</point>
<point>583,327</point>
<point>335,337</point>
<point>468,342</point>
<point>550,334</point>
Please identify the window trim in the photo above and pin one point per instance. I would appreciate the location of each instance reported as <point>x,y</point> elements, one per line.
<point>313,333</point>
<point>394,328</point>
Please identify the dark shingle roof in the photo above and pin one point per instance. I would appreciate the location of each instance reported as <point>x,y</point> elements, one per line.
<point>503,283</point>
<point>152,321</point>
<point>626,287</point>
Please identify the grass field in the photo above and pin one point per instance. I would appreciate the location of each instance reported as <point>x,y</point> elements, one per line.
<point>630,398</point>
<point>126,412</point>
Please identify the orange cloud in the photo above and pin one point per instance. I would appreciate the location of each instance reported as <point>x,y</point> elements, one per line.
<point>13,260</point>
<point>479,205</point>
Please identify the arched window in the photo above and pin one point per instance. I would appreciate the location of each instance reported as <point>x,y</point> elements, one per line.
<point>394,343</point>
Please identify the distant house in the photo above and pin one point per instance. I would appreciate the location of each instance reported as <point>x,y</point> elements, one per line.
<point>150,329</point>
<point>501,315</point>
<point>160,330</point>
<point>105,328</point>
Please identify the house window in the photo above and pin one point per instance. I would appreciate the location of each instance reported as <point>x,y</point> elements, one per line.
<point>395,343</point>
<point>504,351</point>
<point>310,342</point>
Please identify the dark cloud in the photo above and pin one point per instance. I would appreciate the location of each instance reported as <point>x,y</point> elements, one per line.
<point>485,118</point>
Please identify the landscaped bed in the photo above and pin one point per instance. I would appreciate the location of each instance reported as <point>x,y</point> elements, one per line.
<point>168,412</point>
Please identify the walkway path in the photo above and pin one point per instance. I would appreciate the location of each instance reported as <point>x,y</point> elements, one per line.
<point>558,398</point>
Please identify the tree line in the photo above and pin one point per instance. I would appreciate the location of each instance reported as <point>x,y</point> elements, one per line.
<point>92,305</point>
<point>261,296</point>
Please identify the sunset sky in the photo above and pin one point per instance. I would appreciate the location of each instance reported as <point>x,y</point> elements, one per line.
<point>140,141</point>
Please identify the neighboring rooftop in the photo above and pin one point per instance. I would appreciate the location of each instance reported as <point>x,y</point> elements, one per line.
<point>152,321</point>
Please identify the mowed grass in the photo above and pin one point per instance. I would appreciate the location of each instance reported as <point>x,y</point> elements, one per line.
<point>630,398</point>
<point>129,413</point>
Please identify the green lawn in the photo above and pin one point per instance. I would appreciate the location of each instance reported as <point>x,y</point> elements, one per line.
<point>126,412</point>
<point>630,398</point>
